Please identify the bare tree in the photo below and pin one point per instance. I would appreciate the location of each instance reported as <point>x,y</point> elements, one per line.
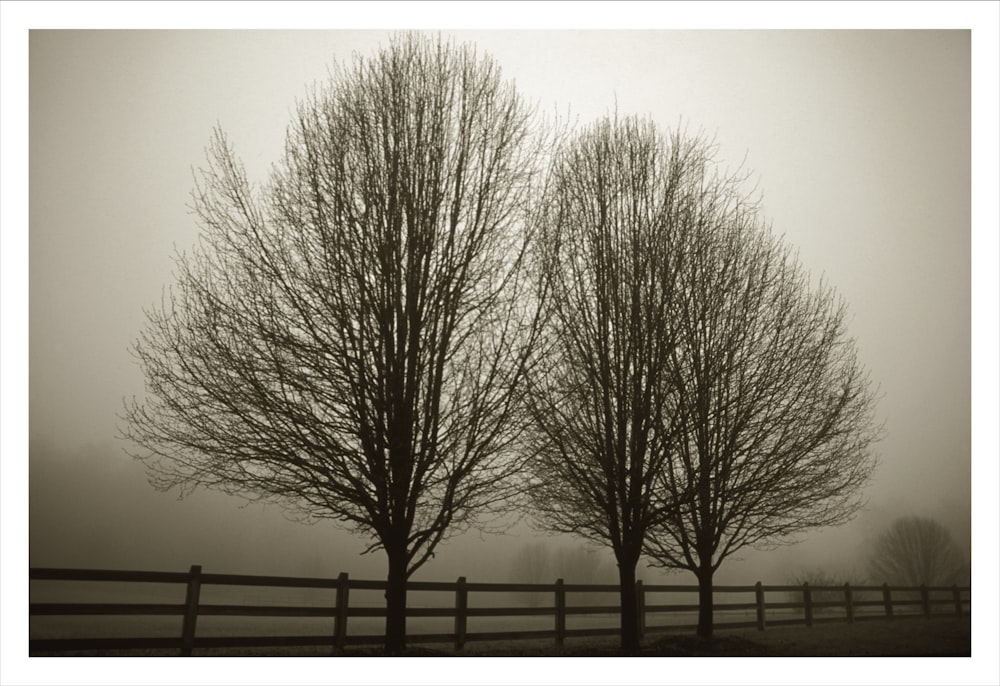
<point>539,563</point>
<point>580,564</point>
<point>915,551</point>
<point>830,585</point>
<point>600,399</point>
<point>351,340</point>
<point>532,565</point>
<point>774,412</point>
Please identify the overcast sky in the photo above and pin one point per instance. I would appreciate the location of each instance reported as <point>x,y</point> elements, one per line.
<point>860,141</point>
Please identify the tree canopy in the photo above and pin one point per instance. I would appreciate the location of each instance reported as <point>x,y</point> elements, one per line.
<point>600,398</point>
<point>775,414</point>
<point>351,339</point>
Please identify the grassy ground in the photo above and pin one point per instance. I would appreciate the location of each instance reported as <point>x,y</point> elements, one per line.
<point>909,637</point>
<point>939,636</point>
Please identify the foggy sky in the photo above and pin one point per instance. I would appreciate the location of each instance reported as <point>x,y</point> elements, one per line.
<point>860,143</point>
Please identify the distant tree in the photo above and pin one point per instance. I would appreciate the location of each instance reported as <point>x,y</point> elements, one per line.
<point>600,397</point>
<point>823,580</point>
<point>533,565</point>
<point>539,563</point>
<point>915,551</point>
<point>351,340</point>
<point>774,413</point>
<point>580,565</point>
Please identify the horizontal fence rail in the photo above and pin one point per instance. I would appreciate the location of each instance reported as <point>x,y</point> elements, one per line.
<point>757,606</point>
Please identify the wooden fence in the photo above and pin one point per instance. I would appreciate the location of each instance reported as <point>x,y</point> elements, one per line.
<point>761,607</point>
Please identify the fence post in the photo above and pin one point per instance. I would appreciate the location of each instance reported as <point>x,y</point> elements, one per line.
<point>957,596</point>
<point>759,592</point>
<point>849,602</point>
<point>560,612</point>
<point>887,600</point>
<point>807,600</point>
<point>925,600</point>
<point>191,610</point>
<point>461,608</point>
<point>640,608</point>
<point>340,621</point>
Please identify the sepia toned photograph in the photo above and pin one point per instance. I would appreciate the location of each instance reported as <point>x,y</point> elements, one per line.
<point>514,347</point>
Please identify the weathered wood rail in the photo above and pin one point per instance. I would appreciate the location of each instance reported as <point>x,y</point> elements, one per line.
<point>809,605</point>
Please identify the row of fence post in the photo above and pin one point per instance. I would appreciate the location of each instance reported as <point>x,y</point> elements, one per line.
<point>462,606</point>
<point>887,602</point>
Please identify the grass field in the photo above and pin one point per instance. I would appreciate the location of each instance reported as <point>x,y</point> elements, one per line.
<point>940,636</point>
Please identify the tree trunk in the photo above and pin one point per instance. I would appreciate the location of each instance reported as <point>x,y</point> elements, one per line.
<point>704,574</point>
<point>629,616</point>
<point>395,601</point>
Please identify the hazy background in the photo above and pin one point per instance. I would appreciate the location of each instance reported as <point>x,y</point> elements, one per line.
<point>860,141</point>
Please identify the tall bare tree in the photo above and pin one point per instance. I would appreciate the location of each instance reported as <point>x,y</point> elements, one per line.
<point>915,551</point>
<point>774,412</point>
<point>352,339</point>
<point>600,400</point>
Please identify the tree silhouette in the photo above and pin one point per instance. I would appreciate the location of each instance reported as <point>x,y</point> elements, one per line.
<point>600,398</point>
<point>532,564</point>
<point>825,580</point>
<point>915,551</point>
<point>774,414</point>
<point>539,563</point>
<point>351,339</point>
